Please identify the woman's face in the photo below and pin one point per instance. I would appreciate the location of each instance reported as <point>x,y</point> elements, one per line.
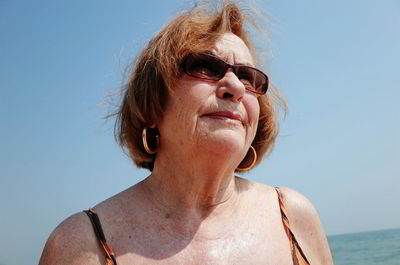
<point>213,116</point>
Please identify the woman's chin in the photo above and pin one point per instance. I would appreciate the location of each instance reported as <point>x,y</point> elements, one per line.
<point>223,142</point>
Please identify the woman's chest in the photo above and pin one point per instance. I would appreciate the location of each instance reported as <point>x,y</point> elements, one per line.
<point>250,247</point>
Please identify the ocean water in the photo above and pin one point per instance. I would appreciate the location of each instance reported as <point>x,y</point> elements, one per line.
<point>366,248</point>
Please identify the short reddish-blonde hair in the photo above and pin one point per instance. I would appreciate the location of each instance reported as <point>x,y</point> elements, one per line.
<point>157,68</point>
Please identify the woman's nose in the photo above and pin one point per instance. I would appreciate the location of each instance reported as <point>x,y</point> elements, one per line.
<point>231,88</point>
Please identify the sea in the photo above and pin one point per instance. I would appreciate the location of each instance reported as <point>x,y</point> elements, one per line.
<point>366,248</point>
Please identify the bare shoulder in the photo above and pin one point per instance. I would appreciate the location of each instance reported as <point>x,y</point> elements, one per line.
<point>72,242</point>
<point>306,226</point>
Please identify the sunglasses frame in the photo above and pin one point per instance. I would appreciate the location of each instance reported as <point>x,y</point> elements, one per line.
<point>192,57</point>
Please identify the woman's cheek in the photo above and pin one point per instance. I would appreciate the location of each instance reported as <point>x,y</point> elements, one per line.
<point>253,108</point>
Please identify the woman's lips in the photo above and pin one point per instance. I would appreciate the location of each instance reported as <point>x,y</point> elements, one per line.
<point>224,115</point>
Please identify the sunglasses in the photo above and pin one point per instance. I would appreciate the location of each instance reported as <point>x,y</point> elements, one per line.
<point>210,67</point>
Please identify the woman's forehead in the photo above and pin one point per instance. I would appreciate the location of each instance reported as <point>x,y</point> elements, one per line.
<point>233,50</point>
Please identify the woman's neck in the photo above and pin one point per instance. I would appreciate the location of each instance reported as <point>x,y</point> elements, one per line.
<point>198,189</point>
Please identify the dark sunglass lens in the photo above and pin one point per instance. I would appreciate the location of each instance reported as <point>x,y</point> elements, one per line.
<point>212,68</point>
<point>253,79</point>
<point>247,76</point>
<point>206,67</point>
<point>261,83</point>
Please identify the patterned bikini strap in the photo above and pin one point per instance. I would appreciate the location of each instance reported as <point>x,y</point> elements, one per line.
<point>98,230</point>
<point>299,258</point>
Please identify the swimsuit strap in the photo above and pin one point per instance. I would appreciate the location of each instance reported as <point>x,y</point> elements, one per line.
<point>297,253</point>
<point>94,219</point>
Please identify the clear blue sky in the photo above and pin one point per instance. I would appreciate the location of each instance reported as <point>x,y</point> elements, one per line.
<point>337,62</point>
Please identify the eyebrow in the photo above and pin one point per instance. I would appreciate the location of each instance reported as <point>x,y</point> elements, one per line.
<point>225,59</point>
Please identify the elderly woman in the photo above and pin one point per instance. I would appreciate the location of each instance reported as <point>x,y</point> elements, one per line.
<point>195,111</point>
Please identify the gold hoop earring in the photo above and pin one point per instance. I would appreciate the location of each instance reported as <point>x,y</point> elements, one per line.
<point>145,143</point>
<point>241,169</point>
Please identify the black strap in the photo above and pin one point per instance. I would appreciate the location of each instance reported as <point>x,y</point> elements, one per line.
<point>98,230</point>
